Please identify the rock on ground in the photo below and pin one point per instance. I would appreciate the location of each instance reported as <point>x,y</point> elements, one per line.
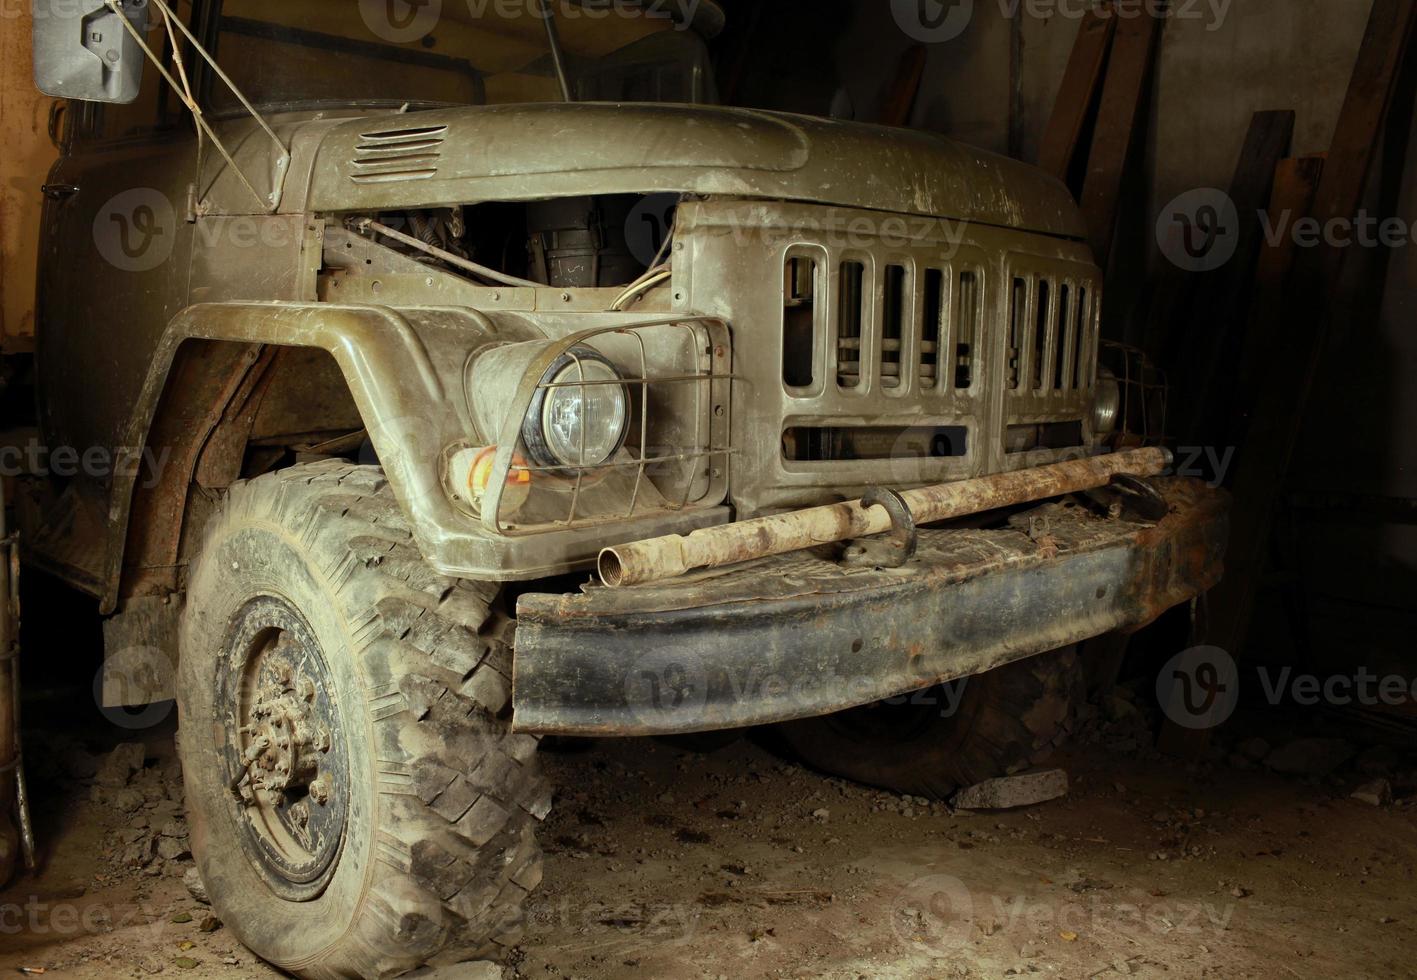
<point>1376,793</point>
<point>120,764</point>
<point>195,886</point>
<point>1008,792</point>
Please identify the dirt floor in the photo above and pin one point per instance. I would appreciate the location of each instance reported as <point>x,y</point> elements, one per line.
<point>663,862</point>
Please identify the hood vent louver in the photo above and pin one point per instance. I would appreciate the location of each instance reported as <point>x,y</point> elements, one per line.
<point>388,156</point>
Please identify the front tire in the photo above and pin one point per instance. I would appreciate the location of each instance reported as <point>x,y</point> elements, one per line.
<point>1008,719</point>
<point>358,804</point>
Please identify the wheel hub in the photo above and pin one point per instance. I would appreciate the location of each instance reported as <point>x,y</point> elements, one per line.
<point>288,770</point>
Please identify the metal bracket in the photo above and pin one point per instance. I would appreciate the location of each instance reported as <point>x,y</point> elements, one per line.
<point>896,547</point>
<point>183,88</point>
<point>1131,497</point>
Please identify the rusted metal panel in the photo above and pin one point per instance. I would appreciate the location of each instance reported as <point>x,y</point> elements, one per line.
<point>667,557</point>
<point>797,635</point>
<point>140,652</point>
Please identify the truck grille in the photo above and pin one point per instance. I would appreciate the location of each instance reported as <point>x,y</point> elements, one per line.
<point>894,326</point>
<point>1052,334</point>
<point>908,337</point>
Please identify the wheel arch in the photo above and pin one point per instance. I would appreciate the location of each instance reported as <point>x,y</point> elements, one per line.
<point>210,359</point>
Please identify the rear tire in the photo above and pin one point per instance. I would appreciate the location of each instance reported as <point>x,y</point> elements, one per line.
<point>1003,721</point>
<point>312,621</point>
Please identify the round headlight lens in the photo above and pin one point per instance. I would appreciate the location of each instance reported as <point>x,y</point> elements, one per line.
<point>1107,410</point>
<point>584,413</point>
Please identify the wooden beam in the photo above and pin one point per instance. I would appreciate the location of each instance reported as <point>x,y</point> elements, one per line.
<point>1296,181</point>
<point>1207,346</point>
<point>1291,198</point>
<point>1128,70</point>
<point>1077,94</point>
<point>900,97</point>
<point>1290,367</point>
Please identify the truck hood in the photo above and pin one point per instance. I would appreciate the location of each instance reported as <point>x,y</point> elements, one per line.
<point>477,154</point>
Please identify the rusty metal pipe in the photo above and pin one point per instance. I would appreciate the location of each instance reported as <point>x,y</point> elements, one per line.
<point>674,555</point>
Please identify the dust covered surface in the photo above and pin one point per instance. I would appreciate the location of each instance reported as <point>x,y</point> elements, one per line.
<point>662,862</point>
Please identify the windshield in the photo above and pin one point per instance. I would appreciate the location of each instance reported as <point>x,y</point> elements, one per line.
<point>472,52</point>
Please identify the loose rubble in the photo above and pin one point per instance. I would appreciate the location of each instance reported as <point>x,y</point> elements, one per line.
<point>152,838</point>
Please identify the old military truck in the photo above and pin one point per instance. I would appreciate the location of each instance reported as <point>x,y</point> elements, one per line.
<point>364,339</point>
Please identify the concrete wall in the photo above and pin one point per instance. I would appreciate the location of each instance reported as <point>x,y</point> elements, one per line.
<point>26,158</point>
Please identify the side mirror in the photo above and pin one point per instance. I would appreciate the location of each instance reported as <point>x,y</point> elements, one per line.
<point>82,50</point>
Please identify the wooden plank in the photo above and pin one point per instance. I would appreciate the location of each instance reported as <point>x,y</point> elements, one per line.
<point>1128,70</point>
<point>28,155</point>
<point>1210,341</point>
<point>1296,181</point>
<point>1285,384</point>
<point>1077,94</point>
<point>1295,184</point>
<point>900,97</point>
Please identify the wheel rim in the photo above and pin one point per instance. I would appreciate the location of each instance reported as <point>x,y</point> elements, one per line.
<point>286,762</point>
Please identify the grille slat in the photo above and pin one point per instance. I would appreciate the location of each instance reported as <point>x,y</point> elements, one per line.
<point>1052,329</point>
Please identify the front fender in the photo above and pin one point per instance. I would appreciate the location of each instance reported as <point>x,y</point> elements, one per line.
<point>404,369</point>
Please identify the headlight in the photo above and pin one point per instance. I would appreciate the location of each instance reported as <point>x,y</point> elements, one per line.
<point>580,417</point>
<point>1107,409</point>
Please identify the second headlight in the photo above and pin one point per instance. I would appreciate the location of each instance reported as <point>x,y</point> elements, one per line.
<point>581,413</point>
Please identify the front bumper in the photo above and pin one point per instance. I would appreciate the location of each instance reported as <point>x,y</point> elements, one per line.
<point>799,635</point>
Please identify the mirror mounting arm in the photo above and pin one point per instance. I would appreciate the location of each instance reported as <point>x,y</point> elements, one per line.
<point>183,89</point>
